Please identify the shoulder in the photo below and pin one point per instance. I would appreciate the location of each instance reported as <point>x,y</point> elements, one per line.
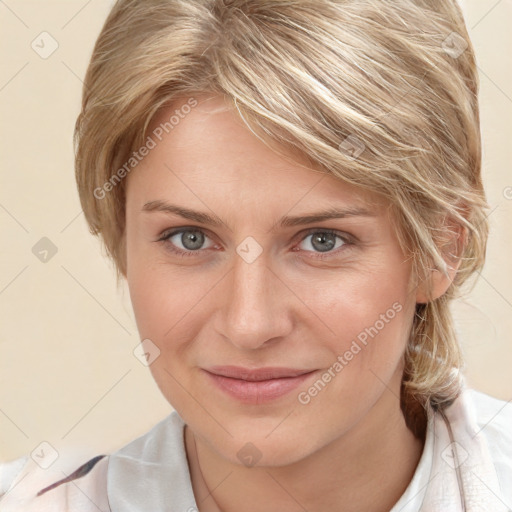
<point>485,425</point>
<point>157,458</point>
<point>484,416</point>
<point>105,482</point>
<point>467,457</point>
<point>493,418</point>
<point>28,486</point>
<point>9,471</point>
<point>491,414</point>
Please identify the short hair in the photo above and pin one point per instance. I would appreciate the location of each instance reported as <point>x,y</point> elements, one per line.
<point>380,94</point>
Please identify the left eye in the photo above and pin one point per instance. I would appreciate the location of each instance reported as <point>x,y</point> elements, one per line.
<point>323,241</point>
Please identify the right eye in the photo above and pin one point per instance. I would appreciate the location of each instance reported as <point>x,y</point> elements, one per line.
<point>184,241</point>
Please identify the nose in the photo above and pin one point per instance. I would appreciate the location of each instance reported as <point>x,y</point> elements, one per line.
<point>255,306</point>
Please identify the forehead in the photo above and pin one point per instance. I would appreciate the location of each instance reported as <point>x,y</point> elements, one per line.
<point>202,143</point>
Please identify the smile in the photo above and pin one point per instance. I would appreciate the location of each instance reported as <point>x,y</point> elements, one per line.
<point>257,386</point>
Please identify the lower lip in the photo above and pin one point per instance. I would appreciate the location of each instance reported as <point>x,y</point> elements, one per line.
<point>258,392</point>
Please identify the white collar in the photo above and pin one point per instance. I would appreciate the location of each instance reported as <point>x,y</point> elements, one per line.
<point>451,444</point>
<point>151,472</point>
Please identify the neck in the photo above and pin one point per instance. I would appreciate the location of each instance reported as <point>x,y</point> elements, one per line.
<point>368,468</point>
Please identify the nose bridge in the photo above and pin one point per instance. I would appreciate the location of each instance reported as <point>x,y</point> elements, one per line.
<point>252,313</point>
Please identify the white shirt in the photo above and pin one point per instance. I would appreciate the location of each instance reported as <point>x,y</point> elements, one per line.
<point>151,473</point>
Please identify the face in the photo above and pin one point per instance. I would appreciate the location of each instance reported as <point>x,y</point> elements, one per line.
<point>278,321</point>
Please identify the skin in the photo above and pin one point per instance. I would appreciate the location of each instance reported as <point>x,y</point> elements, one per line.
<point>287,308</point>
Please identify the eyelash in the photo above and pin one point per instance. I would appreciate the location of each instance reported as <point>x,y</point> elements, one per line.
<point>348,242</point>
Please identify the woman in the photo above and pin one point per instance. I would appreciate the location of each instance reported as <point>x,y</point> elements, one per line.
<point>292,191</point>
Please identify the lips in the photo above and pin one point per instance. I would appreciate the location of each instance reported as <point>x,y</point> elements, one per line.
<point>257,374</point>
<point>258,385</point>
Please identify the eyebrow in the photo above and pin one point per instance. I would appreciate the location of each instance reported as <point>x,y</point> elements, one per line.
<point>286,221</point>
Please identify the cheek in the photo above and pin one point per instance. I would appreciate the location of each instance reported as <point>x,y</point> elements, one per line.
<point>171,304</point>
<point>164,314</point>
<point>369,315</point>
<point>349,302</point>
<point>156,295</point>
<point>160,300</point>
<point>371,319</point>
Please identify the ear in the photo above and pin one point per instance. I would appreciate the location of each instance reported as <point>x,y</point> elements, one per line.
<point>451,244</point>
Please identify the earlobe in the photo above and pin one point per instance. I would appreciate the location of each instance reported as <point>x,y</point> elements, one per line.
<point>439,284</point>
<point>439,280</point>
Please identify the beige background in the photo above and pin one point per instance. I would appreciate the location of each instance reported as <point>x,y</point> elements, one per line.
<point>68,373</point>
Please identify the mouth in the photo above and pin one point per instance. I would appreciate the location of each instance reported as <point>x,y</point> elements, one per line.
<point>257,386</point>
<point>257,374</point>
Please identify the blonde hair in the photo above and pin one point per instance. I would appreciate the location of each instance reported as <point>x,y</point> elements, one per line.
<point>393,81</point>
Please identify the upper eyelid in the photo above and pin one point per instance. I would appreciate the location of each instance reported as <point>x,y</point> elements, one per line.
<point>167,233</point>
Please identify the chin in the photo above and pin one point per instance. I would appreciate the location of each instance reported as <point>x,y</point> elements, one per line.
<point>262,452</point>
<point>252,445</point>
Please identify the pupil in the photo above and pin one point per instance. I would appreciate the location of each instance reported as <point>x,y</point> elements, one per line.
<point>327,241</point>
<point>192,240</point>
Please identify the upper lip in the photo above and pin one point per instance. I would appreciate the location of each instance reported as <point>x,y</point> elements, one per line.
<point>256,374</point>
